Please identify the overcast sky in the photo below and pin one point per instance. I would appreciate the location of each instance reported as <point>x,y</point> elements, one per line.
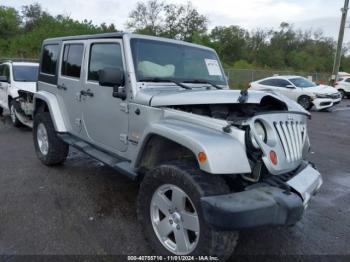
<point>249,14</point>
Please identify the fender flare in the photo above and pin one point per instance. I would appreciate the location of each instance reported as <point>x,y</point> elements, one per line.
<point>225,155</point>
<point>54,109</point>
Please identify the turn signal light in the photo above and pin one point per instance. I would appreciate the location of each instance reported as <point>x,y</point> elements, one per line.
<point>273,157</point>
<point>202,157</point>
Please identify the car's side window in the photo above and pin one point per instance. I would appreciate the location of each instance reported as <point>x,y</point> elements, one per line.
<point>280,83</point>
<point>72,59</point>
<point>267,82</point>
<point>104,55</point>
<point>49,59</point>
<point>347,80</point>
<point>6,72</point>
<point>1,70</point>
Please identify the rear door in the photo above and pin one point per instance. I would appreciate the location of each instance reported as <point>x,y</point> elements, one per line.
<point>105,117</point>
<point>69,83</point>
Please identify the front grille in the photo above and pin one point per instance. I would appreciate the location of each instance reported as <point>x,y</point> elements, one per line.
<point>292,135</point>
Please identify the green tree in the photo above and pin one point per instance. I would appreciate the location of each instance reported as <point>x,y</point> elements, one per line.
<point>169,20</point>
<point>10,22</point>
<point>230,42</point>
<point>146,17</point>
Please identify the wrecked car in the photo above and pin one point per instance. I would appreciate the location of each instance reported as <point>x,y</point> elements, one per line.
<point>18,79</point>
<point>210,161</point>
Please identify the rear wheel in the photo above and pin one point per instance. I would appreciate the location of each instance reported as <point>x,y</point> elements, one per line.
<point>14,119</point>
<point>305,102</point>
<point>50,149</point>
<point>169,210</point>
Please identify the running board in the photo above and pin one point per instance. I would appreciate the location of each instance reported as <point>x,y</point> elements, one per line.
<point>118,164</point>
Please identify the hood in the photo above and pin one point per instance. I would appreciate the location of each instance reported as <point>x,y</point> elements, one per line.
<point>322,89</point>
<point>159,97</point>
<point>26,86</point>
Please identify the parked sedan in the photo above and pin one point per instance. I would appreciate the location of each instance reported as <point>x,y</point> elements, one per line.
<point>343,86</point>
<point>300,89</point>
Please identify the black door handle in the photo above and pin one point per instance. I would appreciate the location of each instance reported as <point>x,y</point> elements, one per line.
<point>61,87</point>
<point>87,93</point>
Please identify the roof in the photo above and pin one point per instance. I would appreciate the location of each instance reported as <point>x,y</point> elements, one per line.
<point>120,35</point>
<point>82,37</point>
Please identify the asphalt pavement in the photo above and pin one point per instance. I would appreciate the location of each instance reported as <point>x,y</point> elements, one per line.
<point>86,208</point>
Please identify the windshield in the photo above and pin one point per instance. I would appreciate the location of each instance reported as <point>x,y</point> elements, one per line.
<point>302,82</point>
<point>25,73</point>
<point>182,63</point>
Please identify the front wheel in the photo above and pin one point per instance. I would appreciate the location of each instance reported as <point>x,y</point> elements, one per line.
<point>305,102</point>
<point>169,210</point>
<point>50,149</point>
<point>342,93</point>
<point>14,119</point>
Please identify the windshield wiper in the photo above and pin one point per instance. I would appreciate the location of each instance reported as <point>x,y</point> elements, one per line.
<point>159,79</point>
<point>201,81</point>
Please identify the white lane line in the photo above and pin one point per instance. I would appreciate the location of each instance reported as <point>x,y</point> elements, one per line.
<point>341,109</point>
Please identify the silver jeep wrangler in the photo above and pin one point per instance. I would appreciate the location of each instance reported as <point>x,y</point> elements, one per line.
<point>209,160</point>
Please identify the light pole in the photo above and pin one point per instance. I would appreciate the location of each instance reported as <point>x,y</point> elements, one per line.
<point>338,52</point>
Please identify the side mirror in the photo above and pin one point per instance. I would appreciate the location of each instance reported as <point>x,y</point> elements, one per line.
<point>113,77</point>
<point>290,86</point>
<point>3,79</point>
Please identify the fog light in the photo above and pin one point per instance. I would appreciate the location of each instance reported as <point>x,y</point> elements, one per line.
<point>202,157</point>
<point>273,157</point>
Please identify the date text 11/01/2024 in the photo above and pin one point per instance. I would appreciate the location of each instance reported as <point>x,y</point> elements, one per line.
<point>172,258</point>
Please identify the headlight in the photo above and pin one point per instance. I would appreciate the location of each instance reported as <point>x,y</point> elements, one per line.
<point>321,96</point>
<point>260,130</point>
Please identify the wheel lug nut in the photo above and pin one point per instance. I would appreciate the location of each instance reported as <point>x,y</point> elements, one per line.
<point>178,227</point>
<point>171,222</point>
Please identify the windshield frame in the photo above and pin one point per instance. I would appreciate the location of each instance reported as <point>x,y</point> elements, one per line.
<point>303,78</point>
<point>224,82</point>
<point>15,78</point>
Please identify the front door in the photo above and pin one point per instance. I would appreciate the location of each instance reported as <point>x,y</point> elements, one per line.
<point>69,84</point>
<point>105,117</point>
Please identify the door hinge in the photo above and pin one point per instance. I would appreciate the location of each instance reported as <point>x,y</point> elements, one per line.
<point>124,107</point>
<point>124,138</point>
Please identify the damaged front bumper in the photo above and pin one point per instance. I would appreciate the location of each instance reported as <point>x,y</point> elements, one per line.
<point>323,103</point>
<point>263,205</point>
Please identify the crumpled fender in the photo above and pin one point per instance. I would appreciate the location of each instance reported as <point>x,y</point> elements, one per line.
<point>225,155</point>
<point>54,108</point>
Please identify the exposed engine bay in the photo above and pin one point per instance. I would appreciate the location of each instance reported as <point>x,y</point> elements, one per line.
<point>232,112</point>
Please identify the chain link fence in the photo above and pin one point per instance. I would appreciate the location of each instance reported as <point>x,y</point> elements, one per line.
<point>240,78</point>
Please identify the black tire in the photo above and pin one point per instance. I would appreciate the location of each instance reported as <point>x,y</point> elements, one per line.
<point>57,149</point>
<point>195,184</point>
<point>1,111</point>
<point>342,93</point>
<point>15,121</point>
<point>305,102</point>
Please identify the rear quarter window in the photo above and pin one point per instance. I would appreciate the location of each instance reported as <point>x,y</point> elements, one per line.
<point>49,59</point>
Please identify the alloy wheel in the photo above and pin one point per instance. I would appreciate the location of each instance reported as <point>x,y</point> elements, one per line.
<point>175,219</point>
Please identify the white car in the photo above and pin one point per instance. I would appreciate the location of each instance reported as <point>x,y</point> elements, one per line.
<point>17,87</point>
<point>301,90</point>
<point>343,86</point>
